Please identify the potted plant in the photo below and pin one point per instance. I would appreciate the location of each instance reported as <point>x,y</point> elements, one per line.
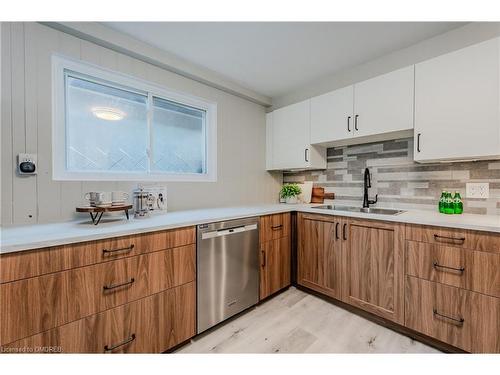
<point>290,192</point>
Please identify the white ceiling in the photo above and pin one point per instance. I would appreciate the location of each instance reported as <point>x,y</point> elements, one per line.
<point>276,57</point>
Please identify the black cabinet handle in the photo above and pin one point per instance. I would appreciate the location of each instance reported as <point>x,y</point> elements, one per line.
<point>263,258</point>
<point>349,123</point>
<point>114,286</point>
<point>356,122</point>
<point>306,155</point>
<point>124,249</point>
<point>344,232</point>
<point>436,265</point>
<point>277,227</point>
<point>125,342</point>
<point>459,321</point>
<point>448,239</point>
<point>337,230</point>
<point>418,142</point>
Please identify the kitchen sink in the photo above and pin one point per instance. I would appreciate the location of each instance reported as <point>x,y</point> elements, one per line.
<point>378,211</point>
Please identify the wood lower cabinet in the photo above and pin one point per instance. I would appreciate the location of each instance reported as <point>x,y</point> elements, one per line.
<point>147,297</point>
<point>275,254</point>
<point>275,266</point>
<point>319,253</point>
<point>150,325</point>
<point>373,267</point>
<point>357,261</point>
<point>467,320</point>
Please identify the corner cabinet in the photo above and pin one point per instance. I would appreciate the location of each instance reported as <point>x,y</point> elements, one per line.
<point>288,139</point>
<point>375,109</point>
<point>457,105</point>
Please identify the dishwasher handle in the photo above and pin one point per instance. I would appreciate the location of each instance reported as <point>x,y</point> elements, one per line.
<point>228,231</point>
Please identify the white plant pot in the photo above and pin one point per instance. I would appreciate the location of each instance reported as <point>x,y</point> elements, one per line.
<point>291,200</point>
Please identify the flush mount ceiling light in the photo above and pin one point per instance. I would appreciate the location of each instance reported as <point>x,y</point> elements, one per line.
<point>109,114</point>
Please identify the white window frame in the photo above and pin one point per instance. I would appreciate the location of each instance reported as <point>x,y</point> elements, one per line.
<point>61,64</point>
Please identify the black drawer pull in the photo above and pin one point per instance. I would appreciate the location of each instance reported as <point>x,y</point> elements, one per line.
<point>277,227</point>
<point>125,342</point>
<point>337,230</point>
<point>114,286</point>
<point>459,321</point>
<point>344,232</point>
<point>454,239</point>
<point>125,249</point>
<point>437,265</point>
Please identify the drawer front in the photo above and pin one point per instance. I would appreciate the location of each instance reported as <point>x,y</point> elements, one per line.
<point>465,239</point>
<point>425,300</point>
<point>150,325</point>
<point>37,304</point>
<point>274,226</point>
<point>467,320</point>
<point>21,265</point>
<point>473,270</point>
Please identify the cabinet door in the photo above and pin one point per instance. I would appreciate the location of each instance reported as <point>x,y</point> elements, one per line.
<point>290,136</point>
<point>275,266</point>
<point>319,254</point>
<point>373,267</point>
<point>384,104</point>
<point>457,104</point>
<point>332,116</point>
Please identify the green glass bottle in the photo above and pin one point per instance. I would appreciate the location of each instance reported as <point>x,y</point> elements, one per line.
<point>448,205</point>
<point>441,201</point>
<point>458,205</point>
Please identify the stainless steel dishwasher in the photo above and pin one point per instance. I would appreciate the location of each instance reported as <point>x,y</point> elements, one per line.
<point>227,259</point>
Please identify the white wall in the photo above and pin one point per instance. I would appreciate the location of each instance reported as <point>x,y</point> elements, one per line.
<point>450,41</point>
<point>26,127</point>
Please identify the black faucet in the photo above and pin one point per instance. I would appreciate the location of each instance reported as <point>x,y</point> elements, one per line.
<point>367,185</point>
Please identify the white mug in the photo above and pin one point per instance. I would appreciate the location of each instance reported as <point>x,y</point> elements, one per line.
<point>119,196</point>
<point>98,197</point>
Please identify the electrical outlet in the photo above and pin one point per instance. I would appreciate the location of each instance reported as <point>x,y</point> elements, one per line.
<point>477,190</point>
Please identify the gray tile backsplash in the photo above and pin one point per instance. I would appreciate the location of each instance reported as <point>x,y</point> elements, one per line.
<point>398,180</point>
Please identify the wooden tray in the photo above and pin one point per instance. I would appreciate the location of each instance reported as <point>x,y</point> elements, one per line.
<point>96,212</point>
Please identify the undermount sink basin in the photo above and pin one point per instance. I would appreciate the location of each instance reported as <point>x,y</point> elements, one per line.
<point>378,211</point>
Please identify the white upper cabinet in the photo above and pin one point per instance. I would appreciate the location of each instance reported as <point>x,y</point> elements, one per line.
<point>457,105</point>
<point>384,104</point>
<point>332,116</point>
<point>367,111</point>
<point>289,146</point>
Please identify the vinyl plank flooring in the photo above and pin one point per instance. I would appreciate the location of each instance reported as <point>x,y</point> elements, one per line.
<point>296,322</point>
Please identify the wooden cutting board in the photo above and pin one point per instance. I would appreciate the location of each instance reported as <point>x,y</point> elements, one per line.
<point>319,195</point>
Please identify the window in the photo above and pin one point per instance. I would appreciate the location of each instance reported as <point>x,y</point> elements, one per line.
<point>108,126</point>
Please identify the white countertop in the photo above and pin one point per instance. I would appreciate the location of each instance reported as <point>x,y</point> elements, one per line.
<point>26,237</point>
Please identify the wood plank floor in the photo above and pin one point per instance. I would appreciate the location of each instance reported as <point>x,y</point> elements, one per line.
<point>296,322</point>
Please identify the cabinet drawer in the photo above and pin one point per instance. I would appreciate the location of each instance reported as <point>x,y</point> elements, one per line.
<point>467,320</point>
<point>37,304</point>
<point>21,265</point>
<point>149,325</point>
<point>274,226</point>
<point>466,239</point>
<point>474,270</point>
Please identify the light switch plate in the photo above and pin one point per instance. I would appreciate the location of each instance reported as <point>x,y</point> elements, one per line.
<point>477,190</point>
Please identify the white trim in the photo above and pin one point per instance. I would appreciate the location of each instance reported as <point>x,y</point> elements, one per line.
<point>61,63</point>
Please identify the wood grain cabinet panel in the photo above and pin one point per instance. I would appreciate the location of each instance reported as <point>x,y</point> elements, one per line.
<point>150,325</point>
<point>373,263</point>
<point>473,270</point>
<point>467,320</point>
<point>37,304</point>
<point>275,266</point>
<point>465,239</point>
<point>274,226</point>
<point>25,264</point>
<point>319,253</point>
